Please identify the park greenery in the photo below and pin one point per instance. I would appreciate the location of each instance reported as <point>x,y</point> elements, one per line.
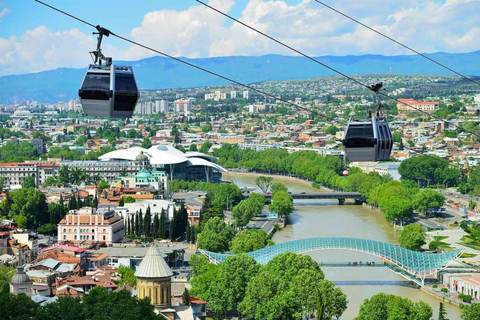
<point>127,276</point>
<point>263,183</point>
<point>290,286</point>
<point>18,152</point>
<point>430,171</point>
<point>388,306</point>
<point>412,237</point>
<point>97,304</point>
<point>282,203</point>
<point>247,209</point>
<point>249,240</point>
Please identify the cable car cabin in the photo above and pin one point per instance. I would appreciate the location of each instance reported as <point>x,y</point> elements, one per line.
<point>109,91</point>
<point>367,140</point>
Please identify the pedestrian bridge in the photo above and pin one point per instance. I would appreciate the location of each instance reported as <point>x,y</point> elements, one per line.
<point>418,265</point>
<point>339,195</point>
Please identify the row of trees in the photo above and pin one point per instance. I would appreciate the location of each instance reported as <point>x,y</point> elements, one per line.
<point>290,286</point>
<point>18,152</point>
<point>307,164</point>
<point>144,225</point>
<point>97,304</point>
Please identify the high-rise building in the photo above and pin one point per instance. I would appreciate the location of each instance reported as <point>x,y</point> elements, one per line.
<point>233,95</point>
<point>183,105</point>
<point>246,94</point>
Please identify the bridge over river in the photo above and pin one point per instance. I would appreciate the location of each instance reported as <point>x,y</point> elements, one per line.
<point>415,266</point>
<point>340,196</point>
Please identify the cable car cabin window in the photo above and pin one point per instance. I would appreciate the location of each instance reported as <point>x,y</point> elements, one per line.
<point>359,136</point>
<point>126,93</point>
<point>360,131</point>
<point>96,86</point>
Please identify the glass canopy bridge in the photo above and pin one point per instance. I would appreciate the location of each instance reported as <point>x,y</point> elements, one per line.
<point>415,266</point>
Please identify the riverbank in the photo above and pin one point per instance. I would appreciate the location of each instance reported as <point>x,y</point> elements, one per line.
<point>325,218</point>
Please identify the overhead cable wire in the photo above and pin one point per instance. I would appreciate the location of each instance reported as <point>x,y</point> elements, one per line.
<point>397,42</point>
<point>323,64</point>
<point>195,66</point>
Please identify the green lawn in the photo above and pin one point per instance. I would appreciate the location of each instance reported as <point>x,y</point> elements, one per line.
<point>468,255</point>
<point>440,238</point>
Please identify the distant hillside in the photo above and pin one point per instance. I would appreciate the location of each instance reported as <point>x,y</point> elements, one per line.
<point>159,72</point>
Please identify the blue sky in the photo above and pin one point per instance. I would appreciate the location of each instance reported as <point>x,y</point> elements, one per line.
<point>35,38</point>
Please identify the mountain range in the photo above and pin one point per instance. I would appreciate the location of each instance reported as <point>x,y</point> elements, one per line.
<point>163,73</point>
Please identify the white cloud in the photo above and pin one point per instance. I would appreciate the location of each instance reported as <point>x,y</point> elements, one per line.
<point>427,26</point>
<point>4,12</point>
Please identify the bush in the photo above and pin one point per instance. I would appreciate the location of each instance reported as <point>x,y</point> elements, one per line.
<point>444,290</point>
<point>435,286</point>
<point>465,297</point>
<point>433,245</point>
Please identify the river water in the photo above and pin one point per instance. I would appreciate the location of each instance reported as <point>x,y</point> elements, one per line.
<point>325,218</point>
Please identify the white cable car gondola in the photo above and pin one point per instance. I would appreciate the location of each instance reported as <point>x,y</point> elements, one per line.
<point>368,139</point>
<point>108,90</point>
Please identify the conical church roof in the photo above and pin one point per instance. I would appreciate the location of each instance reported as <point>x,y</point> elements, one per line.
<point>153,265</point>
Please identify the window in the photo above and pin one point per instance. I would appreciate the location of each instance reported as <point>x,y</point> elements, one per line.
<point>93,237</point>
<point>64,237</point>
<point>75,238</point>
<point>103,237</point>
<point>104,231</point>
<point>64,230</point>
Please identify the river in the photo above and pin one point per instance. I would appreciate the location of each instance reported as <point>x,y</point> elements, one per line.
<point>325,218</point>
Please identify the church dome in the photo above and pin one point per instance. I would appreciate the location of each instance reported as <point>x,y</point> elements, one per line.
<point>20,277</point>
<point>153,265</point>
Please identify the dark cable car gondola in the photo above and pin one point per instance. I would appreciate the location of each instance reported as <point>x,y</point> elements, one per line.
<point>108,90</point>
<point>368,139</point>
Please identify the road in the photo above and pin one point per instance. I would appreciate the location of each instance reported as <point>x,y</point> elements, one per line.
<point>189,198</point>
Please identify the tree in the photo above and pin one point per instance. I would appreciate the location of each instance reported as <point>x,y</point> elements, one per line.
<point>2,183</point>
<point>332,130</point>
<point>193,147</point>
<point>127,276</point>
<point>28,182</point>
<point>102,185</point>
<point>29,204</point>
<point>215,235</point>
<point>249,240</point>
<point>186,297</point>
<point>171,228</point>
<point>282,204</point>
<point>206,147</point>
<point>263,183</point>
<point>121,202</point>
<point>129,199</point>
<point>147,223</point>
<point>146,143</point>
<point>277,186</point>
<point>243,212</point>
<point>156,226</point>
<point>426,199</point>
<point>161,228</point>
<point>388,306</point>
<point>442,313</point>
<point>471,312</point>
<point>412,237</point>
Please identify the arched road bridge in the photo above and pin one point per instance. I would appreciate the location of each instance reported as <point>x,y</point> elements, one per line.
<point>340,196</point>
<point>413,265</point>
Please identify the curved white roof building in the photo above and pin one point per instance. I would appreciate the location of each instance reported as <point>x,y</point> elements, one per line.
<point>183,166</point>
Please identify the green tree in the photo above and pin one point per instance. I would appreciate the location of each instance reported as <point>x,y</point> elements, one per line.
<point>102,185</point>
<point>332,130</point>
<point>147,223</point>
<point>17,152</point>
<point>2,183</point>
<point>442,313</point>
<point>278,186</point>
<point>263,183</point>
<point>30,204</point>
<point>249,240</point>
<point>197,261</point>
<point>28,182</point>
<point>156,226</point>
<point>186,297</point>
<point>282,204</point>
<point>161,228</point>
<point>243,212</point>
<point>146,143</point>
<point>412,237</point>
<point>121,202</point>
<point>205,147</point>
<point>215,236</point>
<point>387,306</point>
<point>471,312</point>
<point>129,199</point>
<point>127,276</point>
<point>193,147</point>
<point>426,199</point>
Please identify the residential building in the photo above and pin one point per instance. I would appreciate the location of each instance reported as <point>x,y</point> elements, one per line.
<point>425,106</point>
<point>183,105</point>
<point>88,225</point>
<point>15,173</point>
<point>108,170</point>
